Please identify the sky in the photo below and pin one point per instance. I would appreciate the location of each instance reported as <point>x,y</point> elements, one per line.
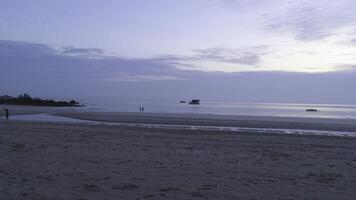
<point>238,50</point>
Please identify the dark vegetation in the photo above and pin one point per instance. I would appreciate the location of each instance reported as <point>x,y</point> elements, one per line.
<point>311,110</point>
<point>25,99</point>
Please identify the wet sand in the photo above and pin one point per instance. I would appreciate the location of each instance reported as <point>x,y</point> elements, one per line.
<point>326,124</point>
<point>28,110</point>
<point>63,161</point>
<point>270,122</point>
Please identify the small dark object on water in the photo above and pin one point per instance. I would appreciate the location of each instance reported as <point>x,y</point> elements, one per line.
<point>183,102</point>
<point>195,102</point>
<point>311,110</point>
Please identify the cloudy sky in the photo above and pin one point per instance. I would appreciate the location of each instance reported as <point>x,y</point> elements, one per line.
<point>243,50</point>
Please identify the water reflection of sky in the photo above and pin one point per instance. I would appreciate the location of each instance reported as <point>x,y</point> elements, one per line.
<point>58,119</point>
<point>47,118</point>
<point>231,108</point>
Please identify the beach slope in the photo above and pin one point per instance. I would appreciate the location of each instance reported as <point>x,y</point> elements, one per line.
<point>64,161</point>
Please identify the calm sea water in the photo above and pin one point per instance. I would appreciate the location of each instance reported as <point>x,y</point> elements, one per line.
<point>230,108</point>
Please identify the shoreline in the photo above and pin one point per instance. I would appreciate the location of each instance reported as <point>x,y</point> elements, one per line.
<point>28,109</point>
<point>55,119</point>
<point>321,124</point>
<point>167,127</point>
<point>178,119</point>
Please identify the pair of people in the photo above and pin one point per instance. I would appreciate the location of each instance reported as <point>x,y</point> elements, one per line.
<point>6,111</point>
<point>142,109</point>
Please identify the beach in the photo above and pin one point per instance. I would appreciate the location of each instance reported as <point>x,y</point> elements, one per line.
<point>178,100</point>
<point>52,160</point>
<point>269,122</point>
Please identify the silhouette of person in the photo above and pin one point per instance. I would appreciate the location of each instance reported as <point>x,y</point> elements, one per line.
<point>143,109</point>
<point>6,113</point>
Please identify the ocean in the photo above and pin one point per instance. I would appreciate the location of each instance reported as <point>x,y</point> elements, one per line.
<point>222,108</point>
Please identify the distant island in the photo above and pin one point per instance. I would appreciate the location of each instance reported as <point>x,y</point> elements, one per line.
<point>25,99</point>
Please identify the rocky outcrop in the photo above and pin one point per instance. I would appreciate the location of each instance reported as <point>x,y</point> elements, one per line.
<point>25,99</point>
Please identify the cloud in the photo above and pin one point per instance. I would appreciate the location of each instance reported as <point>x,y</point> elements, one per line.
<point>244,5</point>
<point>244,56</point>
<point>231,3</point>
<point>312,20</point>
<point>25,61</point>
<point>218,59</point>
<point>24,49</point>
<point>39,61</point>
<point>346,67</point>
<point>41,71</point>
<point>82,51</point>
<point>140,78</point>
<point>353,42</point>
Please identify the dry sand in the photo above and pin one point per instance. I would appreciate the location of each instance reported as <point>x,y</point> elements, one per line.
<point>92,162</point>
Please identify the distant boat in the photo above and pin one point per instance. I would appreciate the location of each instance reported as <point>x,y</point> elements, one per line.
<point>311,110</point>
<point>182,102</point>
<point>195,102</point>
